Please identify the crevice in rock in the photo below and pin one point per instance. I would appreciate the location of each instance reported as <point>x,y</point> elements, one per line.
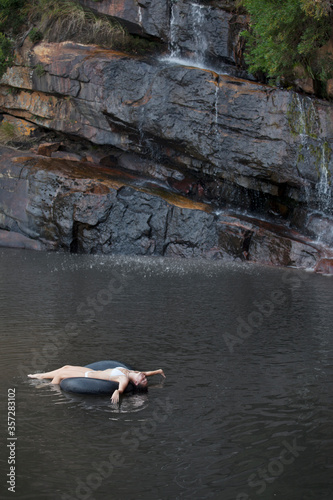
<point>76,245</point>
<point>246,244</point>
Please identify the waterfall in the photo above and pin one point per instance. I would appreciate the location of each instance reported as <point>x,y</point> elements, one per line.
<point>314,150</point>
<point>173,46</point>
<point>301,119</point>
<point>200,44</point>
<point>323,187</point>
<point>191,19</point>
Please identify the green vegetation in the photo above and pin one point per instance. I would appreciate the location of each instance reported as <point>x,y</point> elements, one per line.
<point>8,132</point>
<point>6,53</point>
<point>39,69</point>
<point>287,37</point>
<point>303,117</point>
<point>60,20</point>
<point>11,18</point>
<point>35,35</point>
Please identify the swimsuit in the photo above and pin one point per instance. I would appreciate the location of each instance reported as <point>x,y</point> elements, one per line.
<point>115,372</point>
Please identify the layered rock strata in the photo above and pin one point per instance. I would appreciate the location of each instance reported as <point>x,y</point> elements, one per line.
<point>227,129</point>
<point>235,146</point>
<point>53,203</point>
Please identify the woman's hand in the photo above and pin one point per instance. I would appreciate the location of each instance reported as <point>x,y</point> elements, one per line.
<point>162,373</point>
<point>115,397</point>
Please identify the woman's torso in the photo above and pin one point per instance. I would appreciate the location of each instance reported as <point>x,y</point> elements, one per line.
<point>109,374</point>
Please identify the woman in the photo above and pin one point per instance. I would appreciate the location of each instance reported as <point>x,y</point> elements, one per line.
<point>121,375</point>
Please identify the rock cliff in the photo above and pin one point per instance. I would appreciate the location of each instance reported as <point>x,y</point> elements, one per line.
<point>178,154</point>
<point>59,204</point>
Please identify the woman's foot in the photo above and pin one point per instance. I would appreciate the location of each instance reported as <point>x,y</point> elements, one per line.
<point>36,375</point>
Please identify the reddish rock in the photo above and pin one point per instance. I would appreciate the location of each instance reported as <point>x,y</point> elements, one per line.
<point>47,148</point>
<point>324,266</point>
<point>93,158</point>
<point>66,156</point>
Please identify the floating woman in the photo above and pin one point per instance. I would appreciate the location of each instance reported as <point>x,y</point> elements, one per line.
<point>121,375</point>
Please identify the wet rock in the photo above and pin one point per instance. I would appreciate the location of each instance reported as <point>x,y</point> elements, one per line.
<point>164,129</point>
<point>58,204</point>
<point>233,130</point>
<point>17,240</point>
<point>272,249</point>
<point>324,266</point>
<point>235,236</point>
<point>261,241</point>
<point>320,228</point>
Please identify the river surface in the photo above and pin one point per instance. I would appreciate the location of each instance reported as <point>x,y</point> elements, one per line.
<point>245,411</point>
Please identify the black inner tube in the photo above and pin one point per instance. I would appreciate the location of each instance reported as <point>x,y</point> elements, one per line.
<point>82,385</point>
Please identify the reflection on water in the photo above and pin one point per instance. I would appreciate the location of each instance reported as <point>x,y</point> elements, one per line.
<point>132,403</point>
<point>245,410</point>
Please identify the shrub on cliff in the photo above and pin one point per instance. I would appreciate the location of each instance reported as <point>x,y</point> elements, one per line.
<point>6,53</point>
<point>11,15</point>
<point>60,20</point>
<point>11,19</point>
<point>288,34</point>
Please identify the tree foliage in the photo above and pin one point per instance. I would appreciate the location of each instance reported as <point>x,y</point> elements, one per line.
<point>11,19</point>
<point>6,57</point>
<point>286,34</point>
<point>317,8</point>
<point>11,15</point>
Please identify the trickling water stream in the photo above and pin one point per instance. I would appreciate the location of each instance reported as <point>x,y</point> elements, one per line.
<point>216,104</point>
<point>140,14</point>
<point>316,151</point>
<point>324,187</point>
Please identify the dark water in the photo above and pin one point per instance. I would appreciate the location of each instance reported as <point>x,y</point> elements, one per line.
<point>244,413</point>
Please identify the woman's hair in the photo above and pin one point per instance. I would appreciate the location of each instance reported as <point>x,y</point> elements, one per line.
<point>140,388</point>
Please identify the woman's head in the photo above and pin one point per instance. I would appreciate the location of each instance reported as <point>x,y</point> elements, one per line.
<point>140,380</point>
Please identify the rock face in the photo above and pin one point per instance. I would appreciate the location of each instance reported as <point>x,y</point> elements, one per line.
<point>144,18</point>
<point>58,204</point>
<point>259,157</point>
<point>230,130</point>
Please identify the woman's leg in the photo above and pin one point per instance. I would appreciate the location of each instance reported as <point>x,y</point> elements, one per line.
<point>58,375</point>
<point>46,374</point>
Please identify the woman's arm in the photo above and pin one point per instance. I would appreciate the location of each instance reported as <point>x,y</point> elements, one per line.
<point>155,372</point>
<point>123,383</point>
